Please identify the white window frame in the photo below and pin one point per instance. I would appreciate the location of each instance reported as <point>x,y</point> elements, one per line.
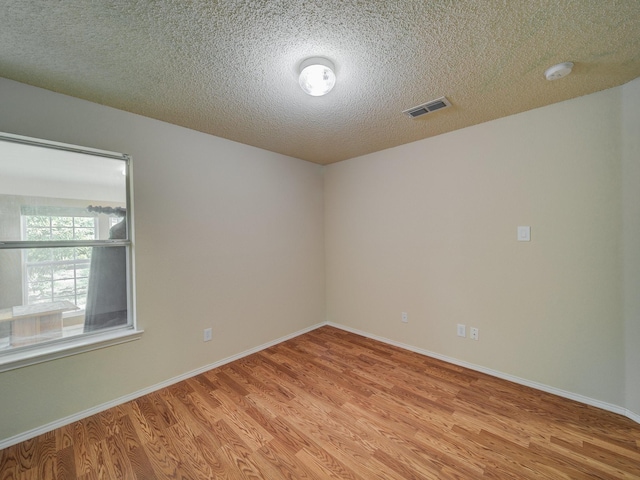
<point>49,350</point>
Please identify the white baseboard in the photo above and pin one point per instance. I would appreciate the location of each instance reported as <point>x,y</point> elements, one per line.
<point>118,401</point>
<point>5,443</point>
<point>494,373</point>
<point>633,416</point>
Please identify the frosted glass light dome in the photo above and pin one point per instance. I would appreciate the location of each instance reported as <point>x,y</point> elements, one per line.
<point>316,76</point>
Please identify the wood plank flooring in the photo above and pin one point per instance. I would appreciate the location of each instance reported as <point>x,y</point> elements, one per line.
<point>331,404</point>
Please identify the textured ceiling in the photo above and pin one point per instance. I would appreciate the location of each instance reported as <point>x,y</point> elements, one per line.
<point>229,67</point>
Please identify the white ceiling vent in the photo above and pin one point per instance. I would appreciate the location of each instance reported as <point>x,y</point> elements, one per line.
<point>429,107</point>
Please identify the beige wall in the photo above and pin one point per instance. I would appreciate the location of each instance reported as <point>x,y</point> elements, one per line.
<point>230,236</point>
<point>631,239</point>
<point>429,228</point>
<point>227,236</point>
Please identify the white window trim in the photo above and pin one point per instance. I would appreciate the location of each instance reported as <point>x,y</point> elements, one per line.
<point>41,353</point>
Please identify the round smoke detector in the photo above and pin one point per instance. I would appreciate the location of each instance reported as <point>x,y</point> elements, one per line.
<point>558,71</point>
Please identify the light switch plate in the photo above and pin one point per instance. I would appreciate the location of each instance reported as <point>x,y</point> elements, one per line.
<point>524,234</point>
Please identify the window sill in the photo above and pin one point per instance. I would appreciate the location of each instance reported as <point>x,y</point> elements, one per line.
<point>66,348</point>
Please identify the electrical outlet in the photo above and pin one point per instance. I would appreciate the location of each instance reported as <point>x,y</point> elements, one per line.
<point>462,330</point>
<point>524,234</point>
<point>405,317</point>
<point>207,334</point>
<point>474,333</point>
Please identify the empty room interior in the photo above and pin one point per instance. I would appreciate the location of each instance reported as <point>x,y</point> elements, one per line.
<point>427,265</point>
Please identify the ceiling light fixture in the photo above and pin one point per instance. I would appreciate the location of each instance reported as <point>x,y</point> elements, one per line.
<point>316,76</point>
<point>558,71</point>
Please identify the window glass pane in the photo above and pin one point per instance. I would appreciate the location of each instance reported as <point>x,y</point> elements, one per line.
<point>38,221</point>
<point>64,271</point>
<point>82,270</point>
<point>91,290</point>
<point>82,284</point>
<point>64,288</point>
<point>107,288</point>
<point>61,233</point>
<point>85,222</point>
<point>83,253</point>
<point>40,291</point>
<point>38,234</point>
<point>39,255</point>
<point>39,273</point>
<point>59,222</point>
<point>63,254</point>
<point>51,186</point>
<point>57,195</point>
<point>85,234</point>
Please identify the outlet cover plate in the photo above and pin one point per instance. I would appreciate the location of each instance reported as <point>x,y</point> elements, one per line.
<point>208,334</point>
<point>524,234</point>
<point>474,333</point>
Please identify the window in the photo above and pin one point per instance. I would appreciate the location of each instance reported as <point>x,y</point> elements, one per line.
<point>52,275</point>
<point>65,250</point>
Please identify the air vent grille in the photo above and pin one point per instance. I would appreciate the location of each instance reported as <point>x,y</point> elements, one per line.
<point>429,107</point>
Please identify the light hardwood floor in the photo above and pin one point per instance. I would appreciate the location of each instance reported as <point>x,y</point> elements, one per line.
<point>331,404</point>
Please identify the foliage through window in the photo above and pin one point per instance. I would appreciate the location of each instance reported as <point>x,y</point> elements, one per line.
<point>58,274</point>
